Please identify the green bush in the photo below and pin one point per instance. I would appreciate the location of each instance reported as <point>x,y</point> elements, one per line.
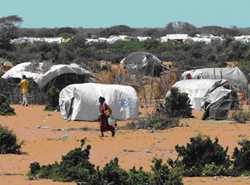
<point>242,156</point>
<point>177,104</point>
<point>5,108</point>
<point>200,157</point>
<point>193,171</point>
<point>138,177</point>
<point>201,151</point>
<point>75,166</point>
<point>34,167</point>
<point>204,157</point>
<point>113,174</point>
<point>8,142</point>
<point>162,174</point>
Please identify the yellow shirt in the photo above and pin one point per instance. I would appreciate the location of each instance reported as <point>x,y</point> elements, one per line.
<point>24,86</point>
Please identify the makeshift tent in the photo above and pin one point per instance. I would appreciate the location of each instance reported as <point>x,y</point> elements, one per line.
<point>12,78</point>
<point>201,91</point>
<point>143,63</point>
<point>42,79</point>
<point>234,75</point>
<point>56,75</point>
<point>218,110</point>
<point>10,88</point>
<point>21,69</point>
<point>80,101</point>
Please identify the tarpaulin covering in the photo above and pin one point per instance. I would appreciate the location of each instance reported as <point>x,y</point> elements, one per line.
<point>80,101</point>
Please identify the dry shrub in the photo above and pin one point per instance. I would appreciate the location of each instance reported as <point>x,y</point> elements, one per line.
<point>241,116</point>
<point>155,121</point>
<point>5,108</point>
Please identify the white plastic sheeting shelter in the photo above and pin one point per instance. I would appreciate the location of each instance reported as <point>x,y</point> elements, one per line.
<point>243,38</point>
<point>144,63</point>
<point>234,75</point>
<point>202,90</point>
<point>42,79</point>
<point>22,40</point>
<point>19,70</point>
<point>80,101</point>
<point>206,38</point>
<point>58,70</point>
<point>110,40</point>
<point>175,37</point>
<point>142,39</point>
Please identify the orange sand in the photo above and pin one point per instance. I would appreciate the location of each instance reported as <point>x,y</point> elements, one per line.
<point>133,148</point>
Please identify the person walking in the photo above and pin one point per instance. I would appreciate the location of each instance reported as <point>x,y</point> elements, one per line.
<point>105,113</point>
<point>24,88</point>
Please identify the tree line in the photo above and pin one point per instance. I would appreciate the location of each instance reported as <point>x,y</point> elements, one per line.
<point>185,55</point>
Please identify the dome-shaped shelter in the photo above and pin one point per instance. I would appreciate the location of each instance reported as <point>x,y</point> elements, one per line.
<point>143,63</point>
<point>59,75</point>
<point>234,75</point>
<point>80,101</point>
<point>43,77</point>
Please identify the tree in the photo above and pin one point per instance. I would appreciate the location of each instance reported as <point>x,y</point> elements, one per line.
<point>177,104</point>
<point>117,30</point>
<point>13,19</point>
<point>179,27</point>
<point>8,30</point>
<point>153,32</point>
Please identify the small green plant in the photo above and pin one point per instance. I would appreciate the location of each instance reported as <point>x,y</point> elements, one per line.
<point>163,174</point>
<point>8,142</point>
<point>112,173</point>
<point>5,108</point>
<point>139,177</point>
<point>177,104</point>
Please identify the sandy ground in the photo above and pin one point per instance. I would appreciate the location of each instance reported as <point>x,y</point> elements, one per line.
<point>45,141</point>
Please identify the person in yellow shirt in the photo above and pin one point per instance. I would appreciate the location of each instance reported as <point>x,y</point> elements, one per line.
<point>24,88</point>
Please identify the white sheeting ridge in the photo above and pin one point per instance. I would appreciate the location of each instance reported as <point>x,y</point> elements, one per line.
<point>80,101</point>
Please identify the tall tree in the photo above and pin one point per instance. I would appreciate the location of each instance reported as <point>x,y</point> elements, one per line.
<point>8,30</point>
